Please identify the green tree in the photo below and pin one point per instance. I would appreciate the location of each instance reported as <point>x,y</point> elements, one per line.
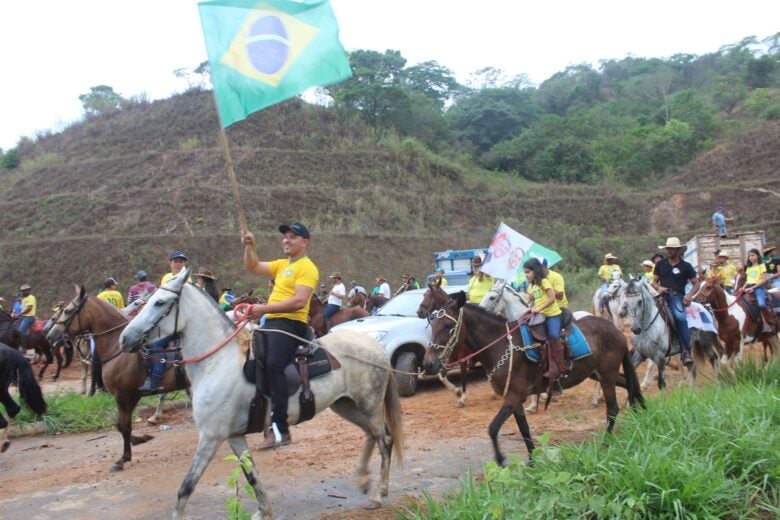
<point>577,85</point>
<point>489,116</point>
<point>432,80</point>
<point>101,100</point>
<point>10,159</point>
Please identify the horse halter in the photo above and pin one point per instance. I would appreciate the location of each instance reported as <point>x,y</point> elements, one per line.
<point>174,303</point>
<point>454,332</point>
<point>70,317</point>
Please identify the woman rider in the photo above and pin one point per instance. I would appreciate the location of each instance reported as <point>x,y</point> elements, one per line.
<point>755,279</point>
<point>542,294</point>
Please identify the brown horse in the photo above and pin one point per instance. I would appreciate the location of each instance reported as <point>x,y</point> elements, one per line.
<point>37,342</point>
<point>358,299</point>
<point>729,330</point>
<point>433,299</point>
<point>752,326</point>
<point>317,308</point>
<point>511,374</point>
<point>122,372</point>
<point>374,302</point>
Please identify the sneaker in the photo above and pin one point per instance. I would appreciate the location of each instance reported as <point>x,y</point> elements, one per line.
<point>686,359</point>
<point>269,440</point>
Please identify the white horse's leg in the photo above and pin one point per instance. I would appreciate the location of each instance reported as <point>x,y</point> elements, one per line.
<point>648,374</point>
<point>158,411</point>
<point>239,446</point>
<point>207,447</point>
<point>534,406</point>
<point>363,476</point>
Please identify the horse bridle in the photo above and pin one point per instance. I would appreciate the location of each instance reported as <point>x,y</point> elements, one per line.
<point>454,332</point>
<point>632,315</point>
<point>174,303</point>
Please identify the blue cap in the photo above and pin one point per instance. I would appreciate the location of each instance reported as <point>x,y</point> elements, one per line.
<point>178,254</point>
<point>439,270</point>
<point>295,228</point>
<point>141,274</point>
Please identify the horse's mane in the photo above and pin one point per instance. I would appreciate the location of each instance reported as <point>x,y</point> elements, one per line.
<point>211,302</point>
<point>107,307</point>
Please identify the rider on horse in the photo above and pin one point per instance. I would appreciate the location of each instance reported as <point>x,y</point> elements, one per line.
<point>605,274</point>
<point>287,311</point>
<point>479,283</point>
<point>755,280</point>
<point>545,304</point>
<point>29,307</point>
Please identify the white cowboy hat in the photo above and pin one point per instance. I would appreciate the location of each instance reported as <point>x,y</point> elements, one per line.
<point>648,263</point>
<point>671,243</point>
<point>610,256</point>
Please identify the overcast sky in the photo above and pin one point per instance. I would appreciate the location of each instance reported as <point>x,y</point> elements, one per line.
<point>51,51</point>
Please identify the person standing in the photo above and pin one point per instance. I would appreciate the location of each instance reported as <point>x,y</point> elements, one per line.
<point>384,287</point>
<point>142,289</point>
<point>719,222</point>
<point>479,283</point>
<point>110,294</point>
<point>336,298</point>
<point>287,310</point>
<point>178,261</point>
<point>671,275</point>
<point>29,309</point>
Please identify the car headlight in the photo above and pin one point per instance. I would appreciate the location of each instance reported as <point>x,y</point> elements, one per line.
<point>377,335</point>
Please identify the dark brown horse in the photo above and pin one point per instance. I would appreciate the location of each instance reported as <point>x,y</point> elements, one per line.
<point>729,330</point>
<point>123,373</point>
<point>511,374</point>
<point>358,299</point>
<point>14,367</point>
<point>317,308</point>
<point>374,302</point>
<point>433,299</point>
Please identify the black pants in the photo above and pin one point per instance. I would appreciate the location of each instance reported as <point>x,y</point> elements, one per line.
<point>280,349</point>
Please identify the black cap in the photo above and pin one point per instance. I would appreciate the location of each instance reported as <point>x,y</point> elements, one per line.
<point>178,254</point>
<point>296,228</point>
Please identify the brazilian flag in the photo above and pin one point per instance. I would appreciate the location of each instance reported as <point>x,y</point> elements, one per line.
<point>263,52</point>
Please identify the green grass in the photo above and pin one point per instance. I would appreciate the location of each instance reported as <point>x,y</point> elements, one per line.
<point>712,453</point>
<point>71,412</point>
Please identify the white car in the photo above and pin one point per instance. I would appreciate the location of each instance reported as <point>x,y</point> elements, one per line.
<point>404,335</point>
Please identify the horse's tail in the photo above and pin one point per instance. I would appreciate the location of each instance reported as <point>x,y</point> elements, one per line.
<point>68,346</point>
<point>393,418</point>
<point>29,390</point>
<point>632,381</point>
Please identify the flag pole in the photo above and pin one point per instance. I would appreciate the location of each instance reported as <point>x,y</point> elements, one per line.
<point>233,182</point>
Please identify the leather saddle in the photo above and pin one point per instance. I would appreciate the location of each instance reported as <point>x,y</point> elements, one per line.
<point>539,329</point>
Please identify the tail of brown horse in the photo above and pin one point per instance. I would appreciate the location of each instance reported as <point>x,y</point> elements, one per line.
<point>68,347</point>
<point>393,419</point>
<point>29,390</point>
<point>632,381</point>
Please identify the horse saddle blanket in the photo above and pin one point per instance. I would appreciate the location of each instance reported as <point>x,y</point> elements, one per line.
<point>318,360</point>
<point>578,345</point>
<point>699,317</point>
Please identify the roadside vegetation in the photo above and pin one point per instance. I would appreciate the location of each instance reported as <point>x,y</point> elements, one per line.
<point>71,412</point>
<point>709,453</point>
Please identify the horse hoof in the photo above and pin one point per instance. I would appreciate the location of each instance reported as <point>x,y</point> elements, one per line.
<point>459,404</point>
<point>152,420</point>
<point>117,466</point>
<point>4,446</point>
<point>594,405</point>
<point>372,505</point>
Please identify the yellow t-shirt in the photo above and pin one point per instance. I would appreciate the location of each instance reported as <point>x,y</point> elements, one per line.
<point>286,276</point>
<point>605,272</point>
<point>649,276</point>
<point>539,295</point>
<point>727,274</point>
<point>752,274</point>
<point>168,276</point>
<point>32,302</point>
<point>113,297</point>
<point>558,285</point>
<point>479,288</point>
<point>443,282</point>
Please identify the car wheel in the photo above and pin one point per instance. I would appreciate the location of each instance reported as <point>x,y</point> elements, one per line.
<point>407,384</point>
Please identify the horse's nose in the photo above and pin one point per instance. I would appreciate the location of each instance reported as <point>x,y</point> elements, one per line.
<point>636,330</point>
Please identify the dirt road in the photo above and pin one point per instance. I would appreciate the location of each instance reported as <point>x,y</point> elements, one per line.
<point>66,476</point>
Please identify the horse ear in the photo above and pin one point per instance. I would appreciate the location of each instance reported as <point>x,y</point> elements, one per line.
<point>82,293</point>
<point>460,298</point>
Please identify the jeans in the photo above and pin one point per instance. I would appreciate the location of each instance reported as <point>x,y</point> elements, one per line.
<point>330,310</point>
<point>25,322</point>
<point>721,230</point>
<point>157,349</point>
<point>280,349</point>
<point>553,326</point>
<point>675,303</point>
<point>760,293</point>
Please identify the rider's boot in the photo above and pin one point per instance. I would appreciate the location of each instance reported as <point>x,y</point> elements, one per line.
<point>555,362</point>
<point>153,382</point>
<point>685,357</point>
<point>768,319</point>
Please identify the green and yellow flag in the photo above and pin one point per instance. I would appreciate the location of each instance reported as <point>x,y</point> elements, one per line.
<point>263,52</point>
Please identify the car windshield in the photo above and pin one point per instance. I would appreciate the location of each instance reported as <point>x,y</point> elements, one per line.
<point>405,304</point>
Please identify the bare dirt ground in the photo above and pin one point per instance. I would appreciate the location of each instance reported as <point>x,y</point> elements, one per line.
<point>67,476</point>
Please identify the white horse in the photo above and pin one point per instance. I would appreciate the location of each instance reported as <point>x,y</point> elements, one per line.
<point>614,297</point>
<point>362,390</point>
<point>504,300</point>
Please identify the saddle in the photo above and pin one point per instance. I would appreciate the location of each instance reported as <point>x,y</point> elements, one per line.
<point>310,362</point>
<point>539,329</point>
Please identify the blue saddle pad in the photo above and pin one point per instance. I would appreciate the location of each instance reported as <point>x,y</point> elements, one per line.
<point>577,343</point>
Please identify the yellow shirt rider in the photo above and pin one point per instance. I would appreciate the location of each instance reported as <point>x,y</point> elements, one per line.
<point>479,283</point>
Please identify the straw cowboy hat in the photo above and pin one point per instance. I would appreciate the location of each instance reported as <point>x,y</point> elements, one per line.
<point>610,256</point>
<point>380,279</point>
<point>767,248</point>
<point>648,263</point>
<point>671,243</point>
<point>723,254</point>
<point>335,275</point>
<point>205,273</point>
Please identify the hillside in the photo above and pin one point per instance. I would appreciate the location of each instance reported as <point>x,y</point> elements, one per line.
<point>113,194</point>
